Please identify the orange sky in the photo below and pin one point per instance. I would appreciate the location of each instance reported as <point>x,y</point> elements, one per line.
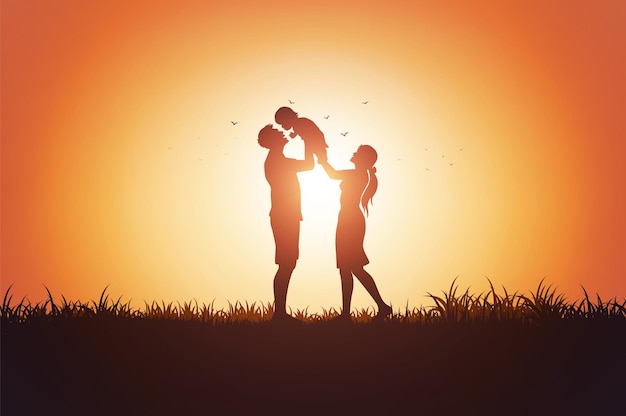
<point>120,165</point>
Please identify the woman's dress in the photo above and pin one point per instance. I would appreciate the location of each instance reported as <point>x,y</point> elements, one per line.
<point>351,221</point>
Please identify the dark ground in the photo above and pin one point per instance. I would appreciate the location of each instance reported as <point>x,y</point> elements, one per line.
<point>142,367</point>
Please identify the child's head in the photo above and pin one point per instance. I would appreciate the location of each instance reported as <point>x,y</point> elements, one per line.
<point>285,116</point>
<point>271,138</point>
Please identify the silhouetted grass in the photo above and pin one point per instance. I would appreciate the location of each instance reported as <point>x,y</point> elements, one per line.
<point>452,307</point>
<point>489,353</point>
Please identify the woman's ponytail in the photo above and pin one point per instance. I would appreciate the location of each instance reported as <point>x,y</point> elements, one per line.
<point>370,189</point>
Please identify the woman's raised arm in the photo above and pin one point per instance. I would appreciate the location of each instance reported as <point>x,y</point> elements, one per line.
<point>330,171</point>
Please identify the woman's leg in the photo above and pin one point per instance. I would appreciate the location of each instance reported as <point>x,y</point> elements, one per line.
<point>347,285</point>
<point>368,283</point>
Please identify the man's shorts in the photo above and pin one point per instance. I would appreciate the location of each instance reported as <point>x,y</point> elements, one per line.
<point>286,237</point>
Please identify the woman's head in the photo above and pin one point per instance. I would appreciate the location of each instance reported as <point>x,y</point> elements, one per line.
<point>364,157</point>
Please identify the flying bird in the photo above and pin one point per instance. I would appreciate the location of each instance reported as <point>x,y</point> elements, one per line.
<point>365,102</point>
<point>344,134</point>
<point>326,117</point>
<point>427,169</point>
<point>234,122</point>
<point>461,148</point>
<point>451,164</point>
<point>426,148</point>
<point>291,102</point>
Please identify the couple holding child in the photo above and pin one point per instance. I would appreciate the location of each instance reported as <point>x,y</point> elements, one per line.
<point>357,186</point>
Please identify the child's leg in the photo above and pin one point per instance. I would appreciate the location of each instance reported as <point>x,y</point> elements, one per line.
<point>321,154</point>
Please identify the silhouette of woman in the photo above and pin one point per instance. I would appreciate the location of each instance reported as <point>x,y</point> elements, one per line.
<point>358,187</point>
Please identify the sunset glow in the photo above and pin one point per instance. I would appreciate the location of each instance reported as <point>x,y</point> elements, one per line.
<point>500,131</point>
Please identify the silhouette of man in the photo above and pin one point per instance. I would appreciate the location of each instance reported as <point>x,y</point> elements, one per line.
<point>285,214</point>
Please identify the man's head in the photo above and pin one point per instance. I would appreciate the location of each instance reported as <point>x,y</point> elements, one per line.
<point>285,116</point>
<point>271,138</point>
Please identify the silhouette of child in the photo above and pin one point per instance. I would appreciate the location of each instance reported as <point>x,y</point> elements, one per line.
<point>303,127</point>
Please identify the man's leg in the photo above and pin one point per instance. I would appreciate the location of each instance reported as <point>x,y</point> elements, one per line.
<point>286,236</point>
<point>281,284</point>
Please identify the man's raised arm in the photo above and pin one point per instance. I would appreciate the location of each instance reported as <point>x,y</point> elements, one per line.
<point>308,163</point>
